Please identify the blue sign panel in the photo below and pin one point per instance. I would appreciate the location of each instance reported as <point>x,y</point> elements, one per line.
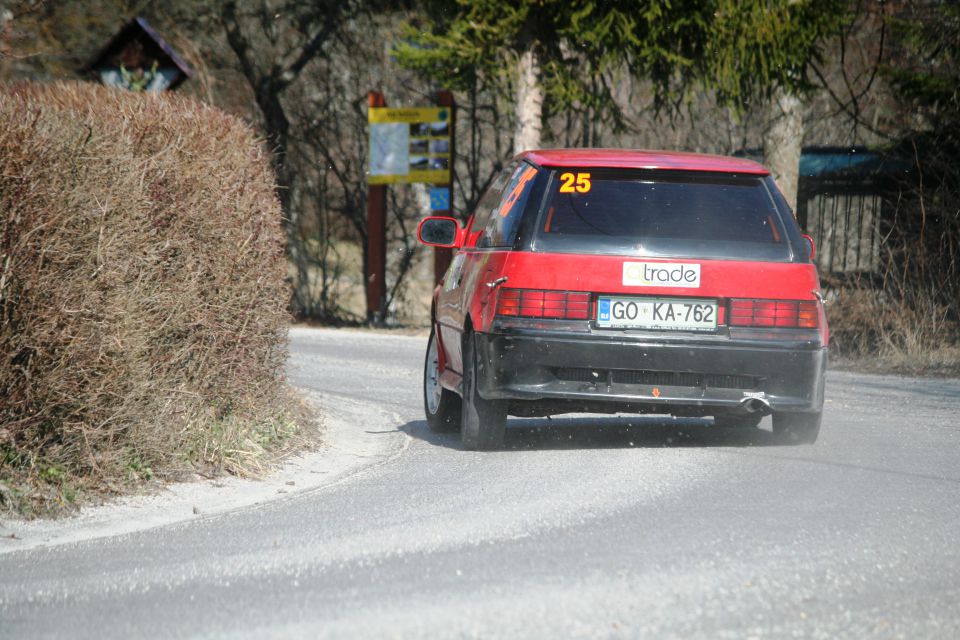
<point>604,311</point>
<point>439,199</point>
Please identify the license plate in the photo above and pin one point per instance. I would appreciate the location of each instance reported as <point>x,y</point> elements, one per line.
<point>657,313</point>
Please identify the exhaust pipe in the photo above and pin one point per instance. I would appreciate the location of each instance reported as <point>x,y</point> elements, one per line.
<point>756,405</point>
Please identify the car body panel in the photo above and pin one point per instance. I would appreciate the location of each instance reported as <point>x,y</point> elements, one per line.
<point>465,295</point>
<point>719,279</point>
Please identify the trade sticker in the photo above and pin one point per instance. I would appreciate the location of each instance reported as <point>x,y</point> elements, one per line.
<point>661,274</point>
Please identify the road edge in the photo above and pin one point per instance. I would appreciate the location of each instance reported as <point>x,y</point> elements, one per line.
<point>346,449</point>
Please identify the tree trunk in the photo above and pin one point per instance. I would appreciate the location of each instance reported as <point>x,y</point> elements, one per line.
<point>6,41</point>
<point>267,89</point>
<point>529,102</point>
<point>276,127</point>
<point>783,141</point>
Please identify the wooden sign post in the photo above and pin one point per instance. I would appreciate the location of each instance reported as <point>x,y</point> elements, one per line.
<point>376,276</point>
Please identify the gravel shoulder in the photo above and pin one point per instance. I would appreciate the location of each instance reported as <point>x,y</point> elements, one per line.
<point>345,451</point>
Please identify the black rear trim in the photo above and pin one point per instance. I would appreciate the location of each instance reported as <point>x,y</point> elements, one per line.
<point>657,378</point>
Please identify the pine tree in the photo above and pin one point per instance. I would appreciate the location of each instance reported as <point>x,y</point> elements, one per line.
<point>566,52</point>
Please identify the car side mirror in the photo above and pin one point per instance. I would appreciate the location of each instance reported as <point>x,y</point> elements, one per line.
<point>439,231</point>
<point>811,249</point>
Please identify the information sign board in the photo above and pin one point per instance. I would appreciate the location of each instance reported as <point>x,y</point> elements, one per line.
<point>409,145</point>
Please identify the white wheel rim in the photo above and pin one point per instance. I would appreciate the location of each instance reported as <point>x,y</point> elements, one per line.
<point>431,378</point>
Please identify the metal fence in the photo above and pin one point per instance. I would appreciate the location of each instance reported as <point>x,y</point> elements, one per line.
<point>846,228</point>
<point>847,202</point>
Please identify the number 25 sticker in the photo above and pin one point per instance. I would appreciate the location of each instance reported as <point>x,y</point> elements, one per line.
<point>575,183</point>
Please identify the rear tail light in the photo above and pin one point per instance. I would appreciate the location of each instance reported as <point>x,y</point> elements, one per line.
<point>533,303</point>
<point>774,313</point>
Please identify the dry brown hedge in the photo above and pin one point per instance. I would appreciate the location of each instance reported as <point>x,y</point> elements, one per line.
<point>142,294</point>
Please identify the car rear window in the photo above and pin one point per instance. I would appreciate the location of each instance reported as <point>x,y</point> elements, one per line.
<point>661,214</point>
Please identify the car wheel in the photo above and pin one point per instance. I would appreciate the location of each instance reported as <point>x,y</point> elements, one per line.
<point>442,406</point>
<point>797,428</point>
<point>483,422</point>
<point>737,420</point>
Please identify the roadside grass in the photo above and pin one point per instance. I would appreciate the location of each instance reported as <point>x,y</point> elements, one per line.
<point>875,332</point>
<point>248,448</point>
<point>939,363</point>
<point>33,485</point>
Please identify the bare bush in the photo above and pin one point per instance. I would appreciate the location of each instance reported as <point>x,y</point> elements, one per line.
<point>142,294</point>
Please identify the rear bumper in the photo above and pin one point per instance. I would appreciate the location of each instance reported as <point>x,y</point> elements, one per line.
<point>614,371</point>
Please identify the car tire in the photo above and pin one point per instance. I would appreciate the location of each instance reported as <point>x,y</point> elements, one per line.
<point>483,422</point>
<point>796,428</point>
<point>442,406</point>
<point>737,420</point>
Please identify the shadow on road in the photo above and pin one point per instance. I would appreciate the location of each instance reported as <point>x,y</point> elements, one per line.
<point>620,432</point>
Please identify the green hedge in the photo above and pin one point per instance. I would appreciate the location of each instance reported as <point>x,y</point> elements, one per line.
<point>142,288</point>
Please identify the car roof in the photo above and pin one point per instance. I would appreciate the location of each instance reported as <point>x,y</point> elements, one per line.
<point>641,159</point>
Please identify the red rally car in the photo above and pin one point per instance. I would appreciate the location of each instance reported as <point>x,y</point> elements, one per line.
<point>605,281</point>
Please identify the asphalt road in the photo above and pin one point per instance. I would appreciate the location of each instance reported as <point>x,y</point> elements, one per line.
<point>582,527</point>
